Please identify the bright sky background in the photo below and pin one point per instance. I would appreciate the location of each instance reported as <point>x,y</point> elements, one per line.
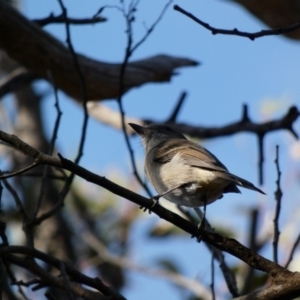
<point>233,71</point>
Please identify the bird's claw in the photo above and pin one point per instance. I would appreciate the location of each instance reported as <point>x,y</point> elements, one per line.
<point>200,228</point>
<point>155,200</point>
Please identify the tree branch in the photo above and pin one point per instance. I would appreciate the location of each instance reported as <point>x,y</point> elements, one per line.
<point>278,196</point>
<point>101,112</point>
<point>244,125</point>
<point>41,53</point>
<point>74,21</point>
<point>236,32</point>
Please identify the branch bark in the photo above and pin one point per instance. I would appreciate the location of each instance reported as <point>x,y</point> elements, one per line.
<point>41,53</point>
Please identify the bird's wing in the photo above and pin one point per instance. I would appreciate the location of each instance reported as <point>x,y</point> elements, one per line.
<point>193,157</point>
<point>164,153</point>
<point>198,157</point>
<point>191,154</point>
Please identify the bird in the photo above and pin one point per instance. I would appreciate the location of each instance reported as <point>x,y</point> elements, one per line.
<point>184,172</point>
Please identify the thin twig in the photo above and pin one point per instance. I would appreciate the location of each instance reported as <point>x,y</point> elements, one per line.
<point>228,274</point>
<point>260,158</point>
<point>16,198</point>
<point>177,108</point>
<point>295,245</point>
<point>253,229</point>
<point>278,196</point>
<point>129,17</point>
<point>212,284</point>
<point>72,21</point>
<point>152,27</point>
<point>69,181</point>
<point>236,32</point>
<point>33,165</point>
<point>82,82</point>
<point>41,192</point>
<point>130,48</point>
<point>58,116</point>
<point>2,224</point>
<point>51,148</point>
<point>54,209</point>
<point>26,218</point>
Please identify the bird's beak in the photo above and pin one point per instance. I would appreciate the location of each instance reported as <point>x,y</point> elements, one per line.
<point>139,129</point>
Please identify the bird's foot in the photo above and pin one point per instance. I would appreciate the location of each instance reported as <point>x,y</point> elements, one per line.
<point>155,200</point>
<point>200,228</point>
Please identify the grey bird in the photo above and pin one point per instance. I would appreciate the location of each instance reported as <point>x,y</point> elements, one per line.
<point>184,172</point>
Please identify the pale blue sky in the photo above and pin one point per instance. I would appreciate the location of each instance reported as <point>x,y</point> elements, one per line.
<point>233,71</point>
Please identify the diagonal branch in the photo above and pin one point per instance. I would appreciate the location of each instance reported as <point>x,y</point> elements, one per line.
<point>225,244</point>
<point>292,252</point>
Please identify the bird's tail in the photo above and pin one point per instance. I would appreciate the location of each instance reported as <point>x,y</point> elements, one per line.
<point>244,183</point>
